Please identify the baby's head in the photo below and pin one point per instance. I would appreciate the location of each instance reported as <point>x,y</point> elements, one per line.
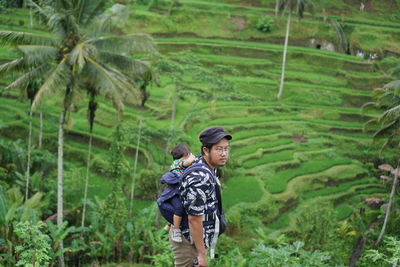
<point>180,151</point>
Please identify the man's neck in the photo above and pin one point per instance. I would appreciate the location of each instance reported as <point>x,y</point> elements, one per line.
<point>209,165</point>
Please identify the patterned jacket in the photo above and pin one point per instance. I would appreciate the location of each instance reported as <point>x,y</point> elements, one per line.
<point>198,195</point>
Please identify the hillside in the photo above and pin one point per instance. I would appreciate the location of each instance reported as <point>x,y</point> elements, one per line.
<point>307,149</point>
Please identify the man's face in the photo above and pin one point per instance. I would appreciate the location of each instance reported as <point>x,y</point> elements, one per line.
<point>218,155</point>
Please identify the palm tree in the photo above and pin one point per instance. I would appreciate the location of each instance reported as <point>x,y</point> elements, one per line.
<point>388,99</point>
<point>135,167</point>
<point>91,113</point>
<point>77,55</point>
<point>31,90</point>
<point>298,7</point>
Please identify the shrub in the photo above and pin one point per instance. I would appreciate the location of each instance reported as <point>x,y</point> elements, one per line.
<point>288,255</point>
<point>2,5</point>
<point>265,24</point>
<point>35,247</point>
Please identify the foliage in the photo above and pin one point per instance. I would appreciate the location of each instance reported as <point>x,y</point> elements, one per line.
<point>288,255</point>
<point>118,166</point>
<point>387,99</point>
<point>147,182</point>
<point>35,245</point>
<point>232,258</point>
<point>320,224</point>
<point>389,253</point>
<point>3,4</point>
<point>265,24</point>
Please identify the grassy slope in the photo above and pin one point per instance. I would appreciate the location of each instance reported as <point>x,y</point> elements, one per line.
<point>308,146</point>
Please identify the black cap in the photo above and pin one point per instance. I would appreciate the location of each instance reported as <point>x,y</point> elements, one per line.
<point>213,135</point>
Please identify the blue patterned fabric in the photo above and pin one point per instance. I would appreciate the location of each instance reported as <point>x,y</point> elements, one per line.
<point>198,195</point>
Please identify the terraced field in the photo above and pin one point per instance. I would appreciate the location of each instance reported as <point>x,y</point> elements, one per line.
<point>309,147</point>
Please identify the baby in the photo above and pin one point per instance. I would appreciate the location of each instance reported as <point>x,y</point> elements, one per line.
<point>183,158</point>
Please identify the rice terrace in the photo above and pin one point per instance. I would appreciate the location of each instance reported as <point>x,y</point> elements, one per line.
<point>95,94</point>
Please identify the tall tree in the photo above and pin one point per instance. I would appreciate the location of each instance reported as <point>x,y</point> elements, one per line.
<point>388,99</point>
<point>31,90</point>
<point>91,113</point>
<point>77,54</point>
<point>290,6</point>
<point>139,135</point>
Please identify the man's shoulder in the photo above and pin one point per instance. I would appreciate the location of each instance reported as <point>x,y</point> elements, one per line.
<point>197,173</point>
<point>199,167</point>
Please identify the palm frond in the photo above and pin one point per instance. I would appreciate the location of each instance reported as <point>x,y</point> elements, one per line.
<point>99,26</point>
<point>57,25</point>
<point>369,124</point>
<point>24,79</point>
<point>78,55</point>
<point>34,54</point>
<point>386,143</point>
<point>15,65</point>
<point>112,84</point>
<point>128,87</point>
<point>127,65</point>
<point>23,38</point>
<point>385,130</point>
<point>85,11</point>
<point>43,14</point>
<point>393,85</point>
<point>390,114</point>
<point>55,78</point>
<point>395,72</point>
<point>139,43</point>
<point>104,83</point>
<point>366,106</point>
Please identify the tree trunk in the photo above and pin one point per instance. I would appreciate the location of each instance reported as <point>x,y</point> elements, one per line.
<point>87,178</point>
<point>171,6</point>
<point>28,163</point>
<point>276,8</point>
<point>357,252</point>
<point>60,179</point>
<point>171,127</point>
<point>40,141</point>
<point>134,168</point>
<point>30,18</point>
<point>167,147</point>
<point>391,198</point>
<point>279,96</point>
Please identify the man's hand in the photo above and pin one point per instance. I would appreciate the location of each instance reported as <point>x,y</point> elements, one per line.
<point>202,260</point>
<point>196,230</point>
<point>189,160</point>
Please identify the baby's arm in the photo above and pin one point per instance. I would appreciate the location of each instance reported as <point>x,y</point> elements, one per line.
<point>189,160</point>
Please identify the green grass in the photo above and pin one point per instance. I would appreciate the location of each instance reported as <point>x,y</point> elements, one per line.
<point>337,189</point>
<point>277,183</point>
<point>263,46</point>
<point>241,189</point>
<point>343,211</point>
<point>248,148</point>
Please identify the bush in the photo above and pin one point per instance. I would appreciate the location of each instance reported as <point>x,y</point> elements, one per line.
<point>288,255</point>
<point>2,5</point>
<point>265,24</point>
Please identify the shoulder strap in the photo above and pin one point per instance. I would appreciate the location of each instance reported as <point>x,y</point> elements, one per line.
<point>197,167</point>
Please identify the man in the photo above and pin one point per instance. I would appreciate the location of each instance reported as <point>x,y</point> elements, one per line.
<point>199,191</point>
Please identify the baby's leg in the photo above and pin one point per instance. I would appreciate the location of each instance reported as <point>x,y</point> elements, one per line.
<point>177,221</point>
<point>178,212</point>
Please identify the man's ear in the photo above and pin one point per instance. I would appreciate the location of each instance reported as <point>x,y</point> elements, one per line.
<point>205,150</point>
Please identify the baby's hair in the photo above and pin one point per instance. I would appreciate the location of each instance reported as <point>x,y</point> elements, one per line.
<point>179,151</point>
